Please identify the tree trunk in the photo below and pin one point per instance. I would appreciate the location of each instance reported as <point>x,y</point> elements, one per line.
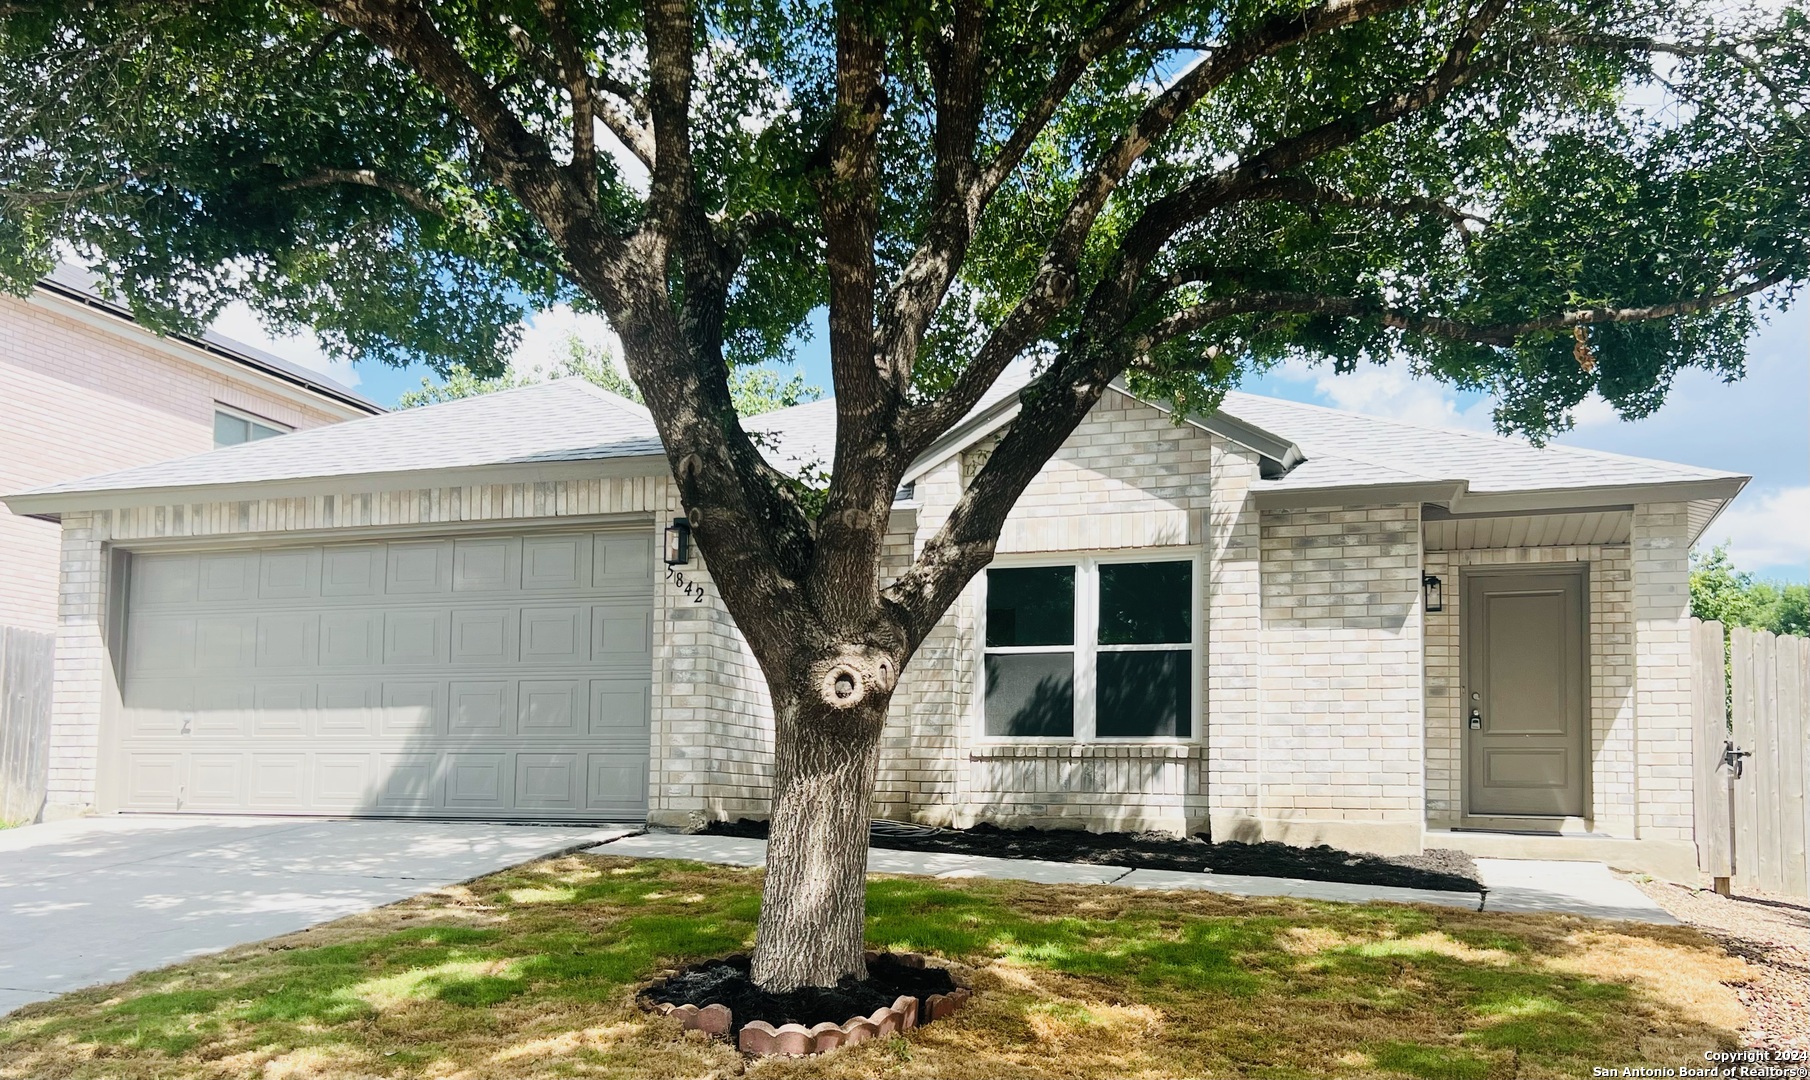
<point>814,907</point>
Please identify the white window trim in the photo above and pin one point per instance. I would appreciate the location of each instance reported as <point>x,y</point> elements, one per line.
<point>1087,622</point>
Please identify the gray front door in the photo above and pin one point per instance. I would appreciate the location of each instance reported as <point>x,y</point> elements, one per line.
<point>1525,724</point>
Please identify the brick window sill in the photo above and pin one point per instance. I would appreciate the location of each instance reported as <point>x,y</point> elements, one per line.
<point>1146,751</point>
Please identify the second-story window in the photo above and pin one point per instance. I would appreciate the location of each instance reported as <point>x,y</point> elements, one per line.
<point>232,427</point>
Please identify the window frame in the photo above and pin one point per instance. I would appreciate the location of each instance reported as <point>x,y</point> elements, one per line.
<point>223,409</point>
<point>1087,645</point>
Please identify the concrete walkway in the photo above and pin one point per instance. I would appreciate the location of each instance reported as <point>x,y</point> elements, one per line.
<point>93,900</point>
<point>1513,885</point>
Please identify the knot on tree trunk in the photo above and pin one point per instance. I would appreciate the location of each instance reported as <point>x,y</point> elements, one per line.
<point>845,679</point>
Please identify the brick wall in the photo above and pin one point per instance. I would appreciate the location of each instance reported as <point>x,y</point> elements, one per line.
<point>1341,730</point>
<point>1662,670</point>
<point>79,400</point>
<point>1611,679</point>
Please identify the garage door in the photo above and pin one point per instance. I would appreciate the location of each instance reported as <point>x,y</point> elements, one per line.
<point>495,676</point>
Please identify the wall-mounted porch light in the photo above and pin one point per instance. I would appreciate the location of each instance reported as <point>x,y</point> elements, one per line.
<point>678,542</point>
<point>1435,590</point>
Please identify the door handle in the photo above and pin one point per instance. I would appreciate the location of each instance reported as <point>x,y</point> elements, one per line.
<point>1476,723</point>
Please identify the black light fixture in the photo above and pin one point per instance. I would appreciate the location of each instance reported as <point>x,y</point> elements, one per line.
<point>1435,590</point>
<point>678,542</point>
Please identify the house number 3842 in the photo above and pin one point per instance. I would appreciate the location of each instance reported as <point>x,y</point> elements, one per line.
<point>693,589</point>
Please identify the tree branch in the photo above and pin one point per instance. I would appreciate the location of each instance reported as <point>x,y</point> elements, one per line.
<point>1501,334</point>
<point>1053,287</point>
<point>670,67</point>
<point>369,178</point>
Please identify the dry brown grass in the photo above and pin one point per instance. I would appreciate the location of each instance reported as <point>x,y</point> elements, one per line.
<point>532,974</point>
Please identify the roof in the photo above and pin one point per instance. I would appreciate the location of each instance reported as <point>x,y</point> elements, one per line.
<point>74,283</point>
<point>1311,455</point>
<point>566,420</point>
<point>1345,449</point>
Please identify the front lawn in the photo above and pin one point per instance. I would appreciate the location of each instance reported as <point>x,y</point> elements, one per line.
<point>532,973</point>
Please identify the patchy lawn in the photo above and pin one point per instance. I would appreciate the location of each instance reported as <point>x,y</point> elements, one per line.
<point>532,973</point>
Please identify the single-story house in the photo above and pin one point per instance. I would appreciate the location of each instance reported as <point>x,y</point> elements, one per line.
<point>1278,621</point>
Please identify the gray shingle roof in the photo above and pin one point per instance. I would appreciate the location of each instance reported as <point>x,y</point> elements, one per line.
<point>1346,449</point>
<point>564,420</point>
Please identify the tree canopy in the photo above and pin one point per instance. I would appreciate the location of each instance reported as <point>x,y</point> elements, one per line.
<point>1543,199</point>
<point>1732,597</point>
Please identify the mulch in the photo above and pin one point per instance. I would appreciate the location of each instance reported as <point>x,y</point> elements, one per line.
<point>1436,868</point>
<point>728,982</point>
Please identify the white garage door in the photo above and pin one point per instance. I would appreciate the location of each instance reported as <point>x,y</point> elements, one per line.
<point>495,676</point>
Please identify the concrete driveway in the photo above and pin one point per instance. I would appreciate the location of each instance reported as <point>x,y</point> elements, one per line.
<point>96,899</point>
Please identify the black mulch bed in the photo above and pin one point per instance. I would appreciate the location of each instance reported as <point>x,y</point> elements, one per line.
<point>727,982</point>
<point>1435,868</point>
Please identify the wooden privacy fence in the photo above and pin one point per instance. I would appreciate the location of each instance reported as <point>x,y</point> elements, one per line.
<point>26,659</point>
<point>1752,757</point>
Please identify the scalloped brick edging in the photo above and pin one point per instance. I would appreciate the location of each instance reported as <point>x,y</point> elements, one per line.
<point>761,1039</point>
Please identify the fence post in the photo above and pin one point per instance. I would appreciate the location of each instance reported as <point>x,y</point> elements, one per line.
<point>1714,781</point>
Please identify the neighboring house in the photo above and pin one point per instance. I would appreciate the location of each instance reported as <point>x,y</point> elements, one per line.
<point>84,389</point>
<point>1219,624</point>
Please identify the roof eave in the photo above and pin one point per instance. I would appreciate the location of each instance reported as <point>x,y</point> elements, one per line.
<point>51,505</point>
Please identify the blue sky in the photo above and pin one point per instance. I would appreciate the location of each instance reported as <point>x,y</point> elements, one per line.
<point>1756,426</point>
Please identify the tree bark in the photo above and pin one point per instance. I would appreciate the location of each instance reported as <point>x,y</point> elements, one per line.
<point>827,723</point>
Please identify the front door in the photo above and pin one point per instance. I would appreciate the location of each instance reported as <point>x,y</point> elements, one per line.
<point>1524,717</point>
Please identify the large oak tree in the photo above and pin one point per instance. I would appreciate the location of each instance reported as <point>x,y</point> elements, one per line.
<point>1544,199</point>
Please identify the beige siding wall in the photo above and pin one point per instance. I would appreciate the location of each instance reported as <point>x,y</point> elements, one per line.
<point>711,739</point>
<point>76,400</point>
<point>1340,726</point>
<point>1611,679</point>
<point>1662,670</point>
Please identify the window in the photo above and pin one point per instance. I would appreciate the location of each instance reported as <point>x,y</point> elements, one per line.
<point>232,428</point>
<point>1136,662</point>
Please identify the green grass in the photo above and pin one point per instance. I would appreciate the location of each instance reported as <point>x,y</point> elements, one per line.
<point>532,973</point>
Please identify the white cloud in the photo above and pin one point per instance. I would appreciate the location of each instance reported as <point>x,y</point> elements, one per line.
<point>239,322</point>
<point>1389,390</point>
<point>543,342</point>
<point>1767,532</point>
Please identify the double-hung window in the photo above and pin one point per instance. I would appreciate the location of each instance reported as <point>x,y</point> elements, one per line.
<point>1091,648</point>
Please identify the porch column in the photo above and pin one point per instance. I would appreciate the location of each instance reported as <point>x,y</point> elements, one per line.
<point>1662,671</point>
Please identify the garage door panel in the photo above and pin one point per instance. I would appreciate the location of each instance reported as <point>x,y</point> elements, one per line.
<point>621,633</point>
<point>491,676</point>
<point>352,571</point>
<point>216,781</point>
<point>160,645</point>
<point>351,639</point>
<point>347,707</point>
<point>410,708</point>
<point>481,707</point>
<point>342,780</point>
<point>279,781</point>
<point>555,635</point>
<point>288,575</point>
<point>548,781</point>
<point>283,709</point>
<point>163,579</point>
<point>625,562</point>
<point>560,562</point>
<point>415,569</point>
<point>484,636</point>
<point>409,781</point>
<point>493,564</point>
<point>619,707</point>
<point>228,576</point>
<point>154,781</point>
<point>552,707</point>
<point>477,781</point>
<point>288,640</point>
<point>225,642</point>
